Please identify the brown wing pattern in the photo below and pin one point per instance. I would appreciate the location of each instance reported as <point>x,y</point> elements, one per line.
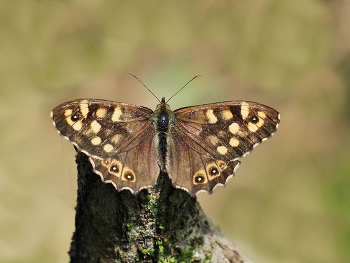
<point>117,137</point>
<point>213,137</point>
<point>134,168</point>
<point>204,142</point>
<point>192,168</point>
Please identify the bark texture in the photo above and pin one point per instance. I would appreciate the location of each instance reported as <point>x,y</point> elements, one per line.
<point>161,224</point>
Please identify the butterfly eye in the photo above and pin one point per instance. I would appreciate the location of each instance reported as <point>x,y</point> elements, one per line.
<point>76,116</point>
<point>254,119</point>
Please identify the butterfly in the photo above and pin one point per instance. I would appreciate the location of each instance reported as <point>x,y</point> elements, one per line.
<point>199,147</point>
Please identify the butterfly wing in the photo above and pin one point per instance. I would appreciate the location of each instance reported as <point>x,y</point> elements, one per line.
<point>192,168</point>
<point>207,141</point>
<point>117,137</point>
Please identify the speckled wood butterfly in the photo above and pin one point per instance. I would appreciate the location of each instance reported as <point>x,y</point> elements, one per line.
<point>199,146</point>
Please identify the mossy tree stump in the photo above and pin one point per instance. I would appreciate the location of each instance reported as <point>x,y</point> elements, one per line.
<point>160,224</point>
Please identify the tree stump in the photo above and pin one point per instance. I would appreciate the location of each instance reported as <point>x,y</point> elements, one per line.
<point>160,224</point>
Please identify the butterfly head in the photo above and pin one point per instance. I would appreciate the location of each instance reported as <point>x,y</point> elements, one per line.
<point>163,105</point>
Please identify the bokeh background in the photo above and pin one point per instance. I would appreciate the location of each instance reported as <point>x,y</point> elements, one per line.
<point>290,199</point>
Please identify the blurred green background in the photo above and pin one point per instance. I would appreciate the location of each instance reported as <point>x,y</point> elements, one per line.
<point>290,199</point>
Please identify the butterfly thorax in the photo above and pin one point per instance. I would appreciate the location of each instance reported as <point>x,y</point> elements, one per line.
<point>162,119</point>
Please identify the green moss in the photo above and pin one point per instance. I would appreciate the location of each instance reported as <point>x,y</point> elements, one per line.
<point>149,252</point>
<point>164,254</point>
<point>207,257</point>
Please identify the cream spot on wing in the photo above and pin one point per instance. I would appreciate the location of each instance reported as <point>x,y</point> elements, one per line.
<point>108,148</point>
<point>227,115</point>
<point>260,123</point>
<point>84,107</point>
<point>222,150</point>
<point>252,127</point>
<point>213,139</point>
<point>116,138</point>
<point>234,142</point>
<point>244,110</point>
<point>68,112</point>
<point>116,114</point>
<point>96,140</point>
<point>234,128</point>
<point>211,116</point>
<point>95,126</point>
<point>101,113</point>
<point>262,114</point>
<point>78,125</point>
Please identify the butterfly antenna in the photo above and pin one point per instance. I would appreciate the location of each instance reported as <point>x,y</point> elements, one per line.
<point>184,86</point>
<point>145,85</point>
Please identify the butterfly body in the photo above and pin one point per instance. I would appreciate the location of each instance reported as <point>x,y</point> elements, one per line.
<point>161,119</point>
<point>199,146</point>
